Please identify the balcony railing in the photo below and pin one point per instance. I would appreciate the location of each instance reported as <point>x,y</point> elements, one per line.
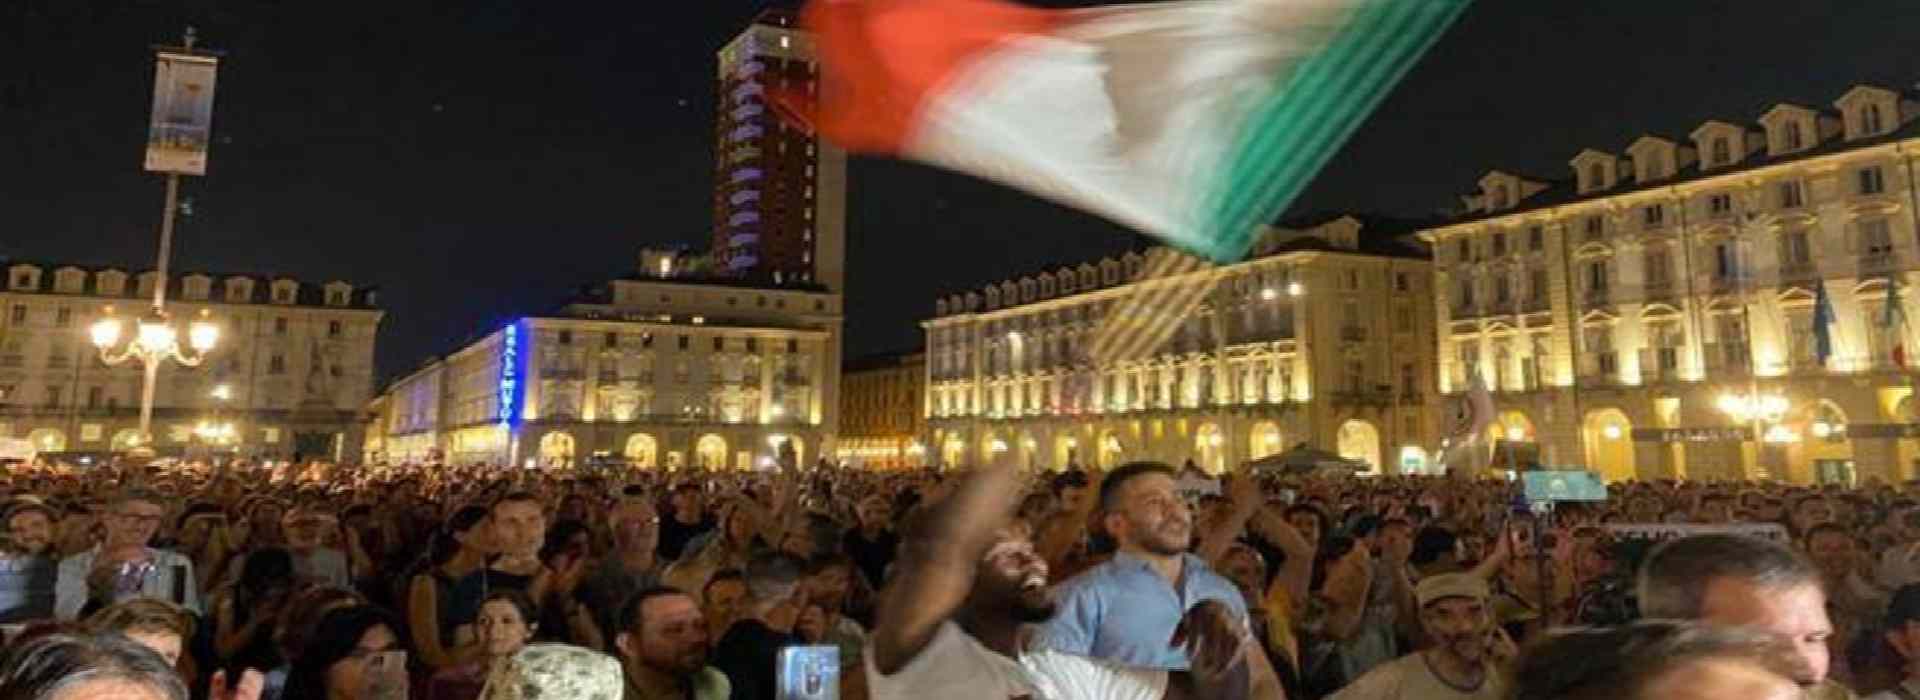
<point>1878,263</point>
<point>1798,271</point>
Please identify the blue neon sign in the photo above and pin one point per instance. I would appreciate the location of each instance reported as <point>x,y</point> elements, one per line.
<point>513,388</point>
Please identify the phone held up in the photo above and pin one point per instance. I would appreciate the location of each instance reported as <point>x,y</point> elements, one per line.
<point>809,673</point>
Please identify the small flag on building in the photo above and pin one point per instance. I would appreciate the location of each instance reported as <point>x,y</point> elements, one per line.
<point>1893,321</point>
<point>1196,122</point>
<point>1822,325</point>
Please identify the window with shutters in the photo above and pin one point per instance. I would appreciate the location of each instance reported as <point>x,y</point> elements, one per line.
<point>1793,194</point>
<point>1653,215</point>
<point>1872,180</point>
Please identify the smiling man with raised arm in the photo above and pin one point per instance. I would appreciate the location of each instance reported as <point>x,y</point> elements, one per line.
<point>956,620</point>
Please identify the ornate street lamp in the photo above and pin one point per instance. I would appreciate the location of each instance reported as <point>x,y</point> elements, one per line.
<point>155,341</point>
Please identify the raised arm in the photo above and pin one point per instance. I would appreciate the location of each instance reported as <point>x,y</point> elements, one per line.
<point>1244,491</point>
<point>937,563</point>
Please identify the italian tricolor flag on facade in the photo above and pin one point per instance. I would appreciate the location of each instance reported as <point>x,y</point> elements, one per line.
<point>1196,122</point>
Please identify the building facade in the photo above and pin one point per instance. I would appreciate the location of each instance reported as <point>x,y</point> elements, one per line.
<point>294,363</point>
<point>1656,314</point>
<point>883,411</point>
<point>656,370</point>
<point>780,194</point>
<point>1320,338</point>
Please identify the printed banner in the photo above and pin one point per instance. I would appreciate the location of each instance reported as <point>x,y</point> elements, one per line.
<point>1674,531</point>
<point>182,114</point>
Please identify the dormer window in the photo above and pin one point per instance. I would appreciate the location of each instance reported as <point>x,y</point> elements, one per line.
<point>1497,197</point>
<point>23,280</point>
<point>1722,152</point>
<point>1596,176</point>
<point>239,291</point>
<point>196,287</point>
<point>70,281</point>
<point>1870,120</point>
<point>1792,136</point>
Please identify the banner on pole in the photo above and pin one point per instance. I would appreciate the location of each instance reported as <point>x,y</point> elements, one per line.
<point>182,122</point>
<point>1674,531</point>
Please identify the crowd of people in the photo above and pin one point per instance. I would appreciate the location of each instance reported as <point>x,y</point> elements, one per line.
<point>176,580</point>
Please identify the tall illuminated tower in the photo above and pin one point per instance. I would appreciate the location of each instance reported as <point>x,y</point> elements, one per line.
<point>779,198</point>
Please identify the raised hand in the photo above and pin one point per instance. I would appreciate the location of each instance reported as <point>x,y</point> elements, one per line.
<point>249,688</point>
<point>1214,639</point>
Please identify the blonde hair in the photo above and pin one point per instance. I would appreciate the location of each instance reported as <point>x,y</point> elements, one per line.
<point>142,615</point>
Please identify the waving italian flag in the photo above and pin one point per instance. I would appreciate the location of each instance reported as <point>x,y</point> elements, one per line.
<point>1193,121</point>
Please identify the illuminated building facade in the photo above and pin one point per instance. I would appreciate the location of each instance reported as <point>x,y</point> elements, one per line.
<point>1652,314</point>
<point>1324,337</point>
<point>290,375</point>
<point>779,200</point>
<point>660,369</point>
<point>882,411</point>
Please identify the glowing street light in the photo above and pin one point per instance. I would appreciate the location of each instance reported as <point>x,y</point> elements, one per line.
<point>155,341</point>
<point>1295,289</point>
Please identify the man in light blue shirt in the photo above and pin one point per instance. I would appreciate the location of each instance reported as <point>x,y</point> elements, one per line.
<point>1125,610</point>
<point>122,566</point>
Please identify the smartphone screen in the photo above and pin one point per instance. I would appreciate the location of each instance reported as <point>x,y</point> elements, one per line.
<point>809,673</point>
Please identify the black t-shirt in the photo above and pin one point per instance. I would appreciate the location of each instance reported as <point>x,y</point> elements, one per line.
<point>674,535</point>
<point>474,587</point>
<point>872,556</point>
<point>749,653</point>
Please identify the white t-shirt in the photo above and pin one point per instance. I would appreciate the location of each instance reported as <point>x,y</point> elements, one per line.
<point>1410,678</point>
<point>955,666</point>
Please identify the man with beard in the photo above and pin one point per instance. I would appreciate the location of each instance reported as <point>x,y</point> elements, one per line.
<point>1739,581</point>
<point>664,649</point>
<point>1468,656</point>
<point>27,570</point>
<point>630,567</point>
<point>1122,610</point>
<point>955,622</point>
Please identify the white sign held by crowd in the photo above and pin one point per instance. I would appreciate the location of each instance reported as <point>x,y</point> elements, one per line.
<point>1674,531</point>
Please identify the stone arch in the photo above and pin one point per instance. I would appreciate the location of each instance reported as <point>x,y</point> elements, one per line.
<point>1210,448</point>
<point>1608,435</point>
<point>1826,450</point>
<point>1360,440</point>
<point>782,443</point>
<point>642,450</point>
<point>48,440</point>
<point>1265,439</point>
<point>1111,450</point>
<point>1066,451</point>
<point>1028,450</point>
<point>710,452</point>
<point>125,439</point>
<point>556,449</point>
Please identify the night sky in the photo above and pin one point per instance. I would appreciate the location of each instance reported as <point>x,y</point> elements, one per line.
<point>478,160</point>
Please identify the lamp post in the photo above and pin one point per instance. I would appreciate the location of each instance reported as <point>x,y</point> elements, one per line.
<point>1763,414</point>
<point>176,145</point>
<point>154,342</point>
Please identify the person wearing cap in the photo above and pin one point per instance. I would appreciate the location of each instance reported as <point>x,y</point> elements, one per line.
<point>1903,634</point>
<point>27,572</point>
<point>1466,657</point>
